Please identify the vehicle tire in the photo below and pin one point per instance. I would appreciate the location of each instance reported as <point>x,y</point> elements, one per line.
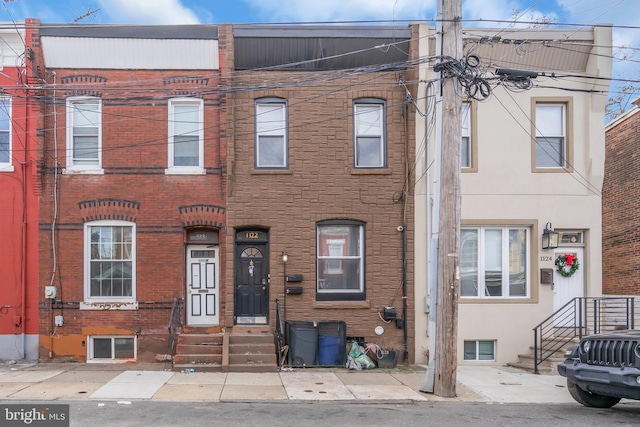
<point>589,399</point>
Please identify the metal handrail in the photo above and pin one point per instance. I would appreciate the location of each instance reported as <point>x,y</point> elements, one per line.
<point>174,325</point>
<point>579,317</point>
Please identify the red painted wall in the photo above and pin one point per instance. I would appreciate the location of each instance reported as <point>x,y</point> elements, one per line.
<point>19,223</point>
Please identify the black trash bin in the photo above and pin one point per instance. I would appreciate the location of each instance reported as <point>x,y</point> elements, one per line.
<point>302,339</point>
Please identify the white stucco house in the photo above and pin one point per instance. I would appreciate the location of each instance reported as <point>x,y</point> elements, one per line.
<point>532,158</point>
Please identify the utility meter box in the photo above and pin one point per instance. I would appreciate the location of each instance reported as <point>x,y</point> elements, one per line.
<point>50,292</point>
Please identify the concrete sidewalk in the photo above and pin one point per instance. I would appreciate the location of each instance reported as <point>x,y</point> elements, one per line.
<point>66,381</point>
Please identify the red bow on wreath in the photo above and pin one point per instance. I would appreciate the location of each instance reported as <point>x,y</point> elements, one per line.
<point>569,259</point>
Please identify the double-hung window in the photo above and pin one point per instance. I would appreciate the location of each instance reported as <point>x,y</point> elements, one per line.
<point>5,134</point>
<point>494,262</point>
<point>271,134</point>
<point>551,149</point>
<point>340,262</point>
<point>369,133</point>
<point>110,261</point>
<point>84,134</point>
<point>186,136</point>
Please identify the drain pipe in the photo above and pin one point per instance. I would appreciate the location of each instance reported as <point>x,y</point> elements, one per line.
<point>405,355</point>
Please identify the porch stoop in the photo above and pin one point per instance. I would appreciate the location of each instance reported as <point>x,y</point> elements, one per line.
<point>549,366</point>
<point>251,349</point>
<point>244,349</point>
<point>199,351</point>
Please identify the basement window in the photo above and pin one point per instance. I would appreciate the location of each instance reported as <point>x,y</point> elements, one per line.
<point>111,349</point>
<point>483,351</point>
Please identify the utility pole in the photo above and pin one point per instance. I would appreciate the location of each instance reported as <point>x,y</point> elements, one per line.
<point>448,283</point>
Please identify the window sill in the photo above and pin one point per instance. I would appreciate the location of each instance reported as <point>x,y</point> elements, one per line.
<point>6,168</point>
<point>83,171</point>
<point>272,172</point>
<point>342,305</point>
<point>87,305</point>
<point>185,171</point>
<point>111,361</point>
<point>496,300</point>
<point>365,171</point>
<point>552,170</point>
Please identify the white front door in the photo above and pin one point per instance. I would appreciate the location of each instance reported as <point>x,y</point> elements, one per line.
<point>203,289</point>
<point>567,288</point>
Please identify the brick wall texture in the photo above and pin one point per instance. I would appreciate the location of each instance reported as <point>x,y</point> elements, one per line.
<point>621,209</point>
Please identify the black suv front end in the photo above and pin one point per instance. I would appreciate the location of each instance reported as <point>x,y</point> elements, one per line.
<point>604,368</point>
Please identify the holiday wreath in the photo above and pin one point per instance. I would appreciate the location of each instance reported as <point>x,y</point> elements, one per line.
<point>567,260</point>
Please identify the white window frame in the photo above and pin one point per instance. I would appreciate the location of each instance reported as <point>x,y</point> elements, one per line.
<point>481,291</point>
<point>362,130</point>
<point>266,108</point>
<point>8,165</point>
<point>321,287</point>
<point>73,166</point>
<point>87,262</point>
<point>542,124</point>
<point>91,349</point>
<point>477,352</point>
<point>199,131</point>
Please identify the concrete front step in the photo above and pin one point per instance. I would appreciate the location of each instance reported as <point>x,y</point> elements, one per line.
<point>253,367</point>
<point>199,349</point>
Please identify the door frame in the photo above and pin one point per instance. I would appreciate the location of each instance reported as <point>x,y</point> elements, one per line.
<point>251,236</point>
<point>209,319</point>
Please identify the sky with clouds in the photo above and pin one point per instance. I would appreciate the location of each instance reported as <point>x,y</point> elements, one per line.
<point>622,13</point>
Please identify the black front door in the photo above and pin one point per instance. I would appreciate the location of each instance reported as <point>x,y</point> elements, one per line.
<point>251,283</point>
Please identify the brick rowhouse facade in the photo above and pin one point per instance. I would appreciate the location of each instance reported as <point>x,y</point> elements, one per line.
<point>18,202</point>
<point>165,210</point>
<point>320,183</point>
<point>621,207</point>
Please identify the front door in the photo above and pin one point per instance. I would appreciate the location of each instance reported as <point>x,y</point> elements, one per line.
<point>203,289</point>
<point>567,288</point>
<point>251,284</point>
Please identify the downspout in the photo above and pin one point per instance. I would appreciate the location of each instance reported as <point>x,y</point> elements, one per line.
<point>23,318</point>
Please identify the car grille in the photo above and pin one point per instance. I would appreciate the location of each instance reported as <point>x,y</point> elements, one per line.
<point>616,353</point>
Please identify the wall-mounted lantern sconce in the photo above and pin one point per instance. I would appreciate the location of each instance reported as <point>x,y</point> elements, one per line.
<point>285,257</point>
<point>549,237</point>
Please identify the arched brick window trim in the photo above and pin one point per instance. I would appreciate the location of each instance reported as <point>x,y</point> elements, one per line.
<point>109,209</point>
<point>202,215</point>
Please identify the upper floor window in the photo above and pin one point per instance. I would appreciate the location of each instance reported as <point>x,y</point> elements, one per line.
<point>5,134</point>
<point>186,136</point>
<point>494,262</point>
<point>552,142</point>
<point>110,261</point>
<point>84,133</point>
<point>271,134</point>
<point>369,133</point>
<point>340,263</point>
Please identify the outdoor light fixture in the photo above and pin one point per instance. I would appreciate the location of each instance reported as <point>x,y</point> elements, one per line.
<point>285,256</point>
<point>549,237</point>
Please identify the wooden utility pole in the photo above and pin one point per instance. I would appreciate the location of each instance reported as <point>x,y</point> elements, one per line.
<point>449,211</point>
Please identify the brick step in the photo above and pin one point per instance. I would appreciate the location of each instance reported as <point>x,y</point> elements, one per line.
<point>251,339</point>
<point>199,349</point>
<point>200,367</point>
<point>179,359</point>
<point>200,339</point>
<point>252,358</point>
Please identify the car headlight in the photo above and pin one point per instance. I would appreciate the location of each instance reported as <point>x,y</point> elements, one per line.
<point>585,346</point>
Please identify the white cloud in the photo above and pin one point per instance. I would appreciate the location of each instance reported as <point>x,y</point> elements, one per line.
<point>158,12</point>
